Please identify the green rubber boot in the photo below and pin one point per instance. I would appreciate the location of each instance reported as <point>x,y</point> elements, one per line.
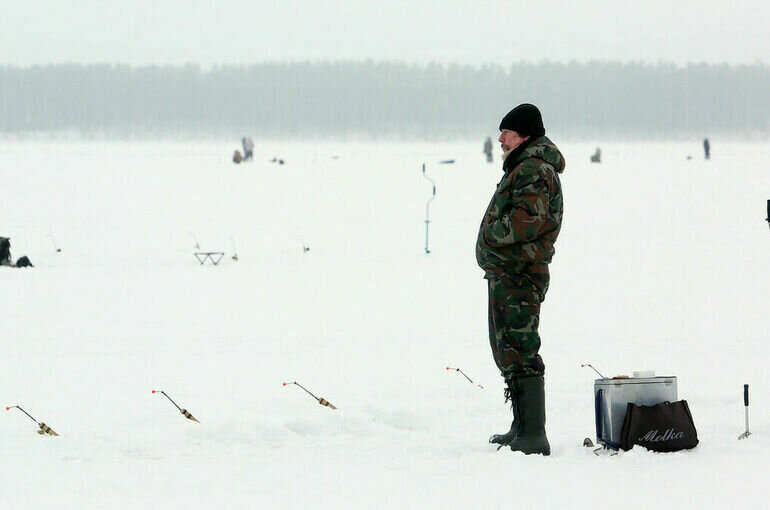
<point>508,437</point>
<point>529,399</point>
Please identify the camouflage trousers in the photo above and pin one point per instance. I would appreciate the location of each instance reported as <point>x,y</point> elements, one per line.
<point>514,315</point>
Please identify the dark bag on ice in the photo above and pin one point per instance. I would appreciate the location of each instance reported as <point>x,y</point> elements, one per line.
<point>24,262</point>
<point>665,427</point>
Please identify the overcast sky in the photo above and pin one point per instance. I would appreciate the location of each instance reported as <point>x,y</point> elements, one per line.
<point>464,31</point>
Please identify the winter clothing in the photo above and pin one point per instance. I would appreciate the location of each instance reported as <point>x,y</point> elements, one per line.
<point>528,401</point>
<point>523,219</point>
<point>525,119</point>
<point>514,247</point>
<point>514,316</point>
<point>508,437</point>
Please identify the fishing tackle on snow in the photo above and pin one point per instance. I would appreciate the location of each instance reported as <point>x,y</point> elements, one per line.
<point>183,411</point>
<point>465,375</point>
<point>44,429</point>
<point>320,400</point>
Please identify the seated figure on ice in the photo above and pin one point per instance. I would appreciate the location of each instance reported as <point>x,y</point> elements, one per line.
<point>5,252</point>
<point>5,255</point>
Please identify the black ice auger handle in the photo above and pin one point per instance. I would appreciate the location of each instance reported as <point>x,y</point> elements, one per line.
<point>746,395</point>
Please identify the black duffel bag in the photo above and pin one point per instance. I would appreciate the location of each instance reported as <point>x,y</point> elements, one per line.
<point>665,427</point>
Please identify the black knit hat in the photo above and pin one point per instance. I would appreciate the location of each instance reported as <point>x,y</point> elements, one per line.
<point>525,119</point>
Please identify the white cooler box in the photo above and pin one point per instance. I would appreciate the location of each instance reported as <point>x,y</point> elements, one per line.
<point>611,398</point>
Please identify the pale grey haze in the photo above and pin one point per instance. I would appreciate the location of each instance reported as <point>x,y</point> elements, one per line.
<point>141,32</point>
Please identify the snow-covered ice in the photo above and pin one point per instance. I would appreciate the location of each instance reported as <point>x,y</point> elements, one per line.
<point>662,264</point>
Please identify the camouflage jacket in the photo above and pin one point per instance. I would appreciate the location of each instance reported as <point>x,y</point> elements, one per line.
<point>524,216</point>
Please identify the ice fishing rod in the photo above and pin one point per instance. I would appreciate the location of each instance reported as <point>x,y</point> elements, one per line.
<point>768,214</point>
<point>235,252</point>
<point>197,245</point>
<point>320,400</point>
<point>44,429</point>
<point>746,406</point>
<point>433,197</point>
<point>183,411</point>
<point>427,207</point>
<point>55,246</point>
<point>592,368</point>
<point>465,375</point>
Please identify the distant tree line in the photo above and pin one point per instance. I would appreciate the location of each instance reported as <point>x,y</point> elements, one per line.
<point>385,99</point>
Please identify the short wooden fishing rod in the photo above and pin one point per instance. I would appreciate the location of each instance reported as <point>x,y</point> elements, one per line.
<point>44,429</point>
<point>320,400</point>
<point>183,411</point>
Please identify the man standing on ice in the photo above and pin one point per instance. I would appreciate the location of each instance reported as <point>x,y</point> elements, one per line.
<point>514,247</point>
<point>248,148</point>
<point>488,148</point>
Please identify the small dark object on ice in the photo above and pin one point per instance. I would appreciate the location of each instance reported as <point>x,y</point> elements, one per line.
<point>588,443</point>
<point>24,262</point>
<point>746,407</point>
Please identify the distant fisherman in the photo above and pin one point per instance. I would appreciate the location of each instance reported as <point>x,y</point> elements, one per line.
<point>707,148</point>
<point>514,247</point>
<point>5,252</point>
<point>488,149</point>
<point>248,148</point>
<point>5,255</point>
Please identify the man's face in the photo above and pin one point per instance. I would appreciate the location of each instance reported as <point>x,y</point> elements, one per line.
<point>509,140</point>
